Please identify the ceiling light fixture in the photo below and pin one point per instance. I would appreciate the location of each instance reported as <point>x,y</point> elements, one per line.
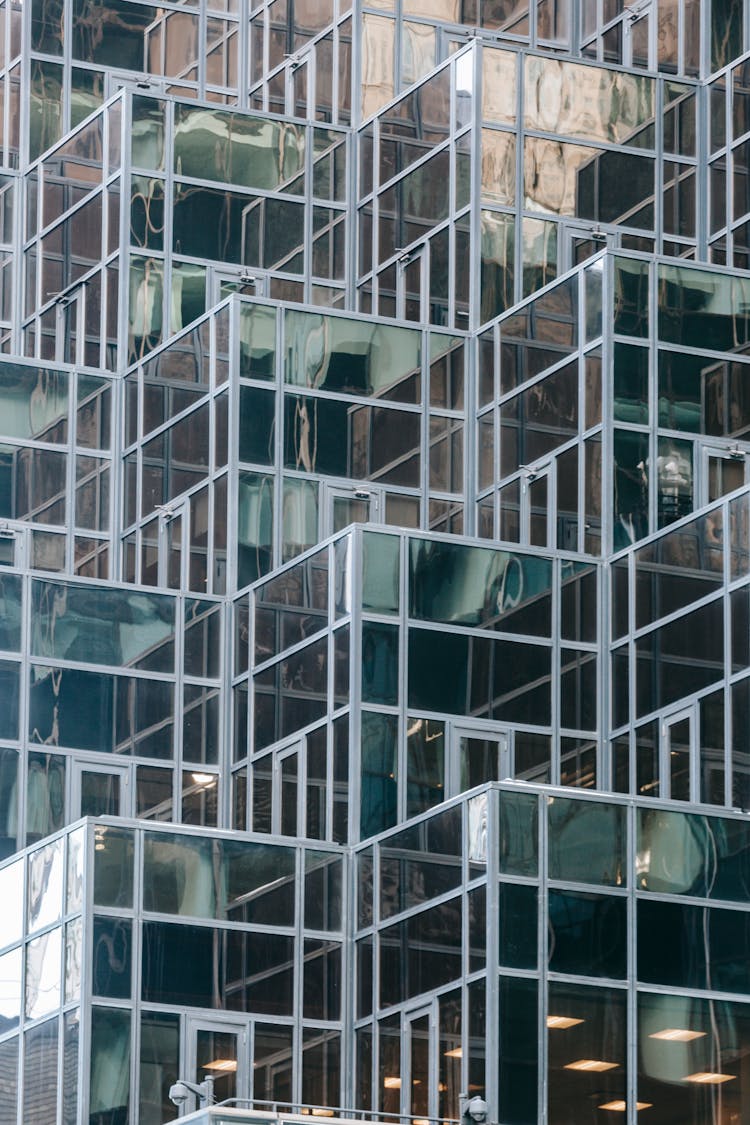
<point>226,1066</point>
<point>596,1065</point>
<point>619,1105</point>
<point>677,1034</point>
<point>203,778</point>
<point>562,1023</point>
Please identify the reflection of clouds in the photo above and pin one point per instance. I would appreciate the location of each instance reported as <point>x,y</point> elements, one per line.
<point>417,51</point>
<point>73,958</point>
<point>550,175</point>
<point>45,885</point>
<point>499,167</point>
<point>478,828</point>
<point>586,101</point>
<point>378,46</point>
<point>43,974</point>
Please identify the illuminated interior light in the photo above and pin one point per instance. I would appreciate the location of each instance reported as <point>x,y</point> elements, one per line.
<point>226,1066</point>
<point>392,1082</point>
<point>454,1053</point>
<point>596,1065</point>
<point>204,778</point>
<point>562,1023</point>
<point>677,1034</point>
<point>708,1078</point>
<point>619,1105</point>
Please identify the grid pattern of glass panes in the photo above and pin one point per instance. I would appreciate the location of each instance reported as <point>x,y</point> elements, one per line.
<point>117,706</point>
<point>322,419</point>
<point>385,673</point>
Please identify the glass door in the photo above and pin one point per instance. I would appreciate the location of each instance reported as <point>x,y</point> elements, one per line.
<point>537,505</point>
<point>217,1052</point>
<point>722,471</point>
<point>582,241</point>
<point>477,756</point>
<point>350,505</point>
<point>69,327</point>
<point>298,76</point>
<point>419,1088</point>
<point>288,791</point>
<point>243,281</point>
<point>678,758</point>
<point>101,790</point>
<point>411,289</point>
<point>172,553</point>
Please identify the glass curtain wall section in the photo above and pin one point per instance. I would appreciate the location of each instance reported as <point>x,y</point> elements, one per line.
<point>424,666</point>
<point>414,195</point>
<point>116,708</point>
<point>302,422</point>
<point>263,924</point>
<point>577,1020</point>
<point>567,158</point>
<point>56,456</point>
<point>490,946</point>
<point>688,703</point>
<point>272,200</point>
<point>540,421</point>
<point>71,256</point>
<point>645,359</point>
<point>81,51</point>
<point>302,57</point>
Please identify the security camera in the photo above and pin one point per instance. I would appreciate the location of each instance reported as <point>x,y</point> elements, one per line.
<point>477,1110</point>
<point>179,1093</point>
<point>182,1090</point>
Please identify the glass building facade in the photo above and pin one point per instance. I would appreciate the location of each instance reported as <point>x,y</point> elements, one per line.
<point>375,560</point>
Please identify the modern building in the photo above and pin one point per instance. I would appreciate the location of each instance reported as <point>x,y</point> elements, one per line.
<point>375,561</point>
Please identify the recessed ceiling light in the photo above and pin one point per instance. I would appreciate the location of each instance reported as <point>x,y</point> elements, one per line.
<point>225,1065</point>
<point>562,1022</point>
<point>708,1078</point>
<point>677,1034</point>
<point>392,1082</point>
<point>619,1105</point>
<point>454,1053</point>
<point>591,1064</point>
<point>203,778</point>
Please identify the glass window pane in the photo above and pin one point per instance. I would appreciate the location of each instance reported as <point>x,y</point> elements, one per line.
<point>109,1089</point>
<point>587,841</point>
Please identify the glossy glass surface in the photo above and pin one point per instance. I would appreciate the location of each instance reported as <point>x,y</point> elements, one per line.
<point>46,877</point>
<point>589,842</point>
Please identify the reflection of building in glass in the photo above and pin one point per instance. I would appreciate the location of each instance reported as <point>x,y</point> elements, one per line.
<point>375,560</point>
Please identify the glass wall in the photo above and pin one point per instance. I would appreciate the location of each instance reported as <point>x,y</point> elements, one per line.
<point>554,990</point>
<point>264,959</point>
<point>300,422</point>
<point>515,938</point>
<point>388,672</point>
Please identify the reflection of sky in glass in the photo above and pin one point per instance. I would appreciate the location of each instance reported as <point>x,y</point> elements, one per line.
<point>73,944</point>
<point>11,897</point>
<point>465,73</point>
<point>43,974</point>
<point>76,854</point>
<point>10,989</point>
<point>45,885</point>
